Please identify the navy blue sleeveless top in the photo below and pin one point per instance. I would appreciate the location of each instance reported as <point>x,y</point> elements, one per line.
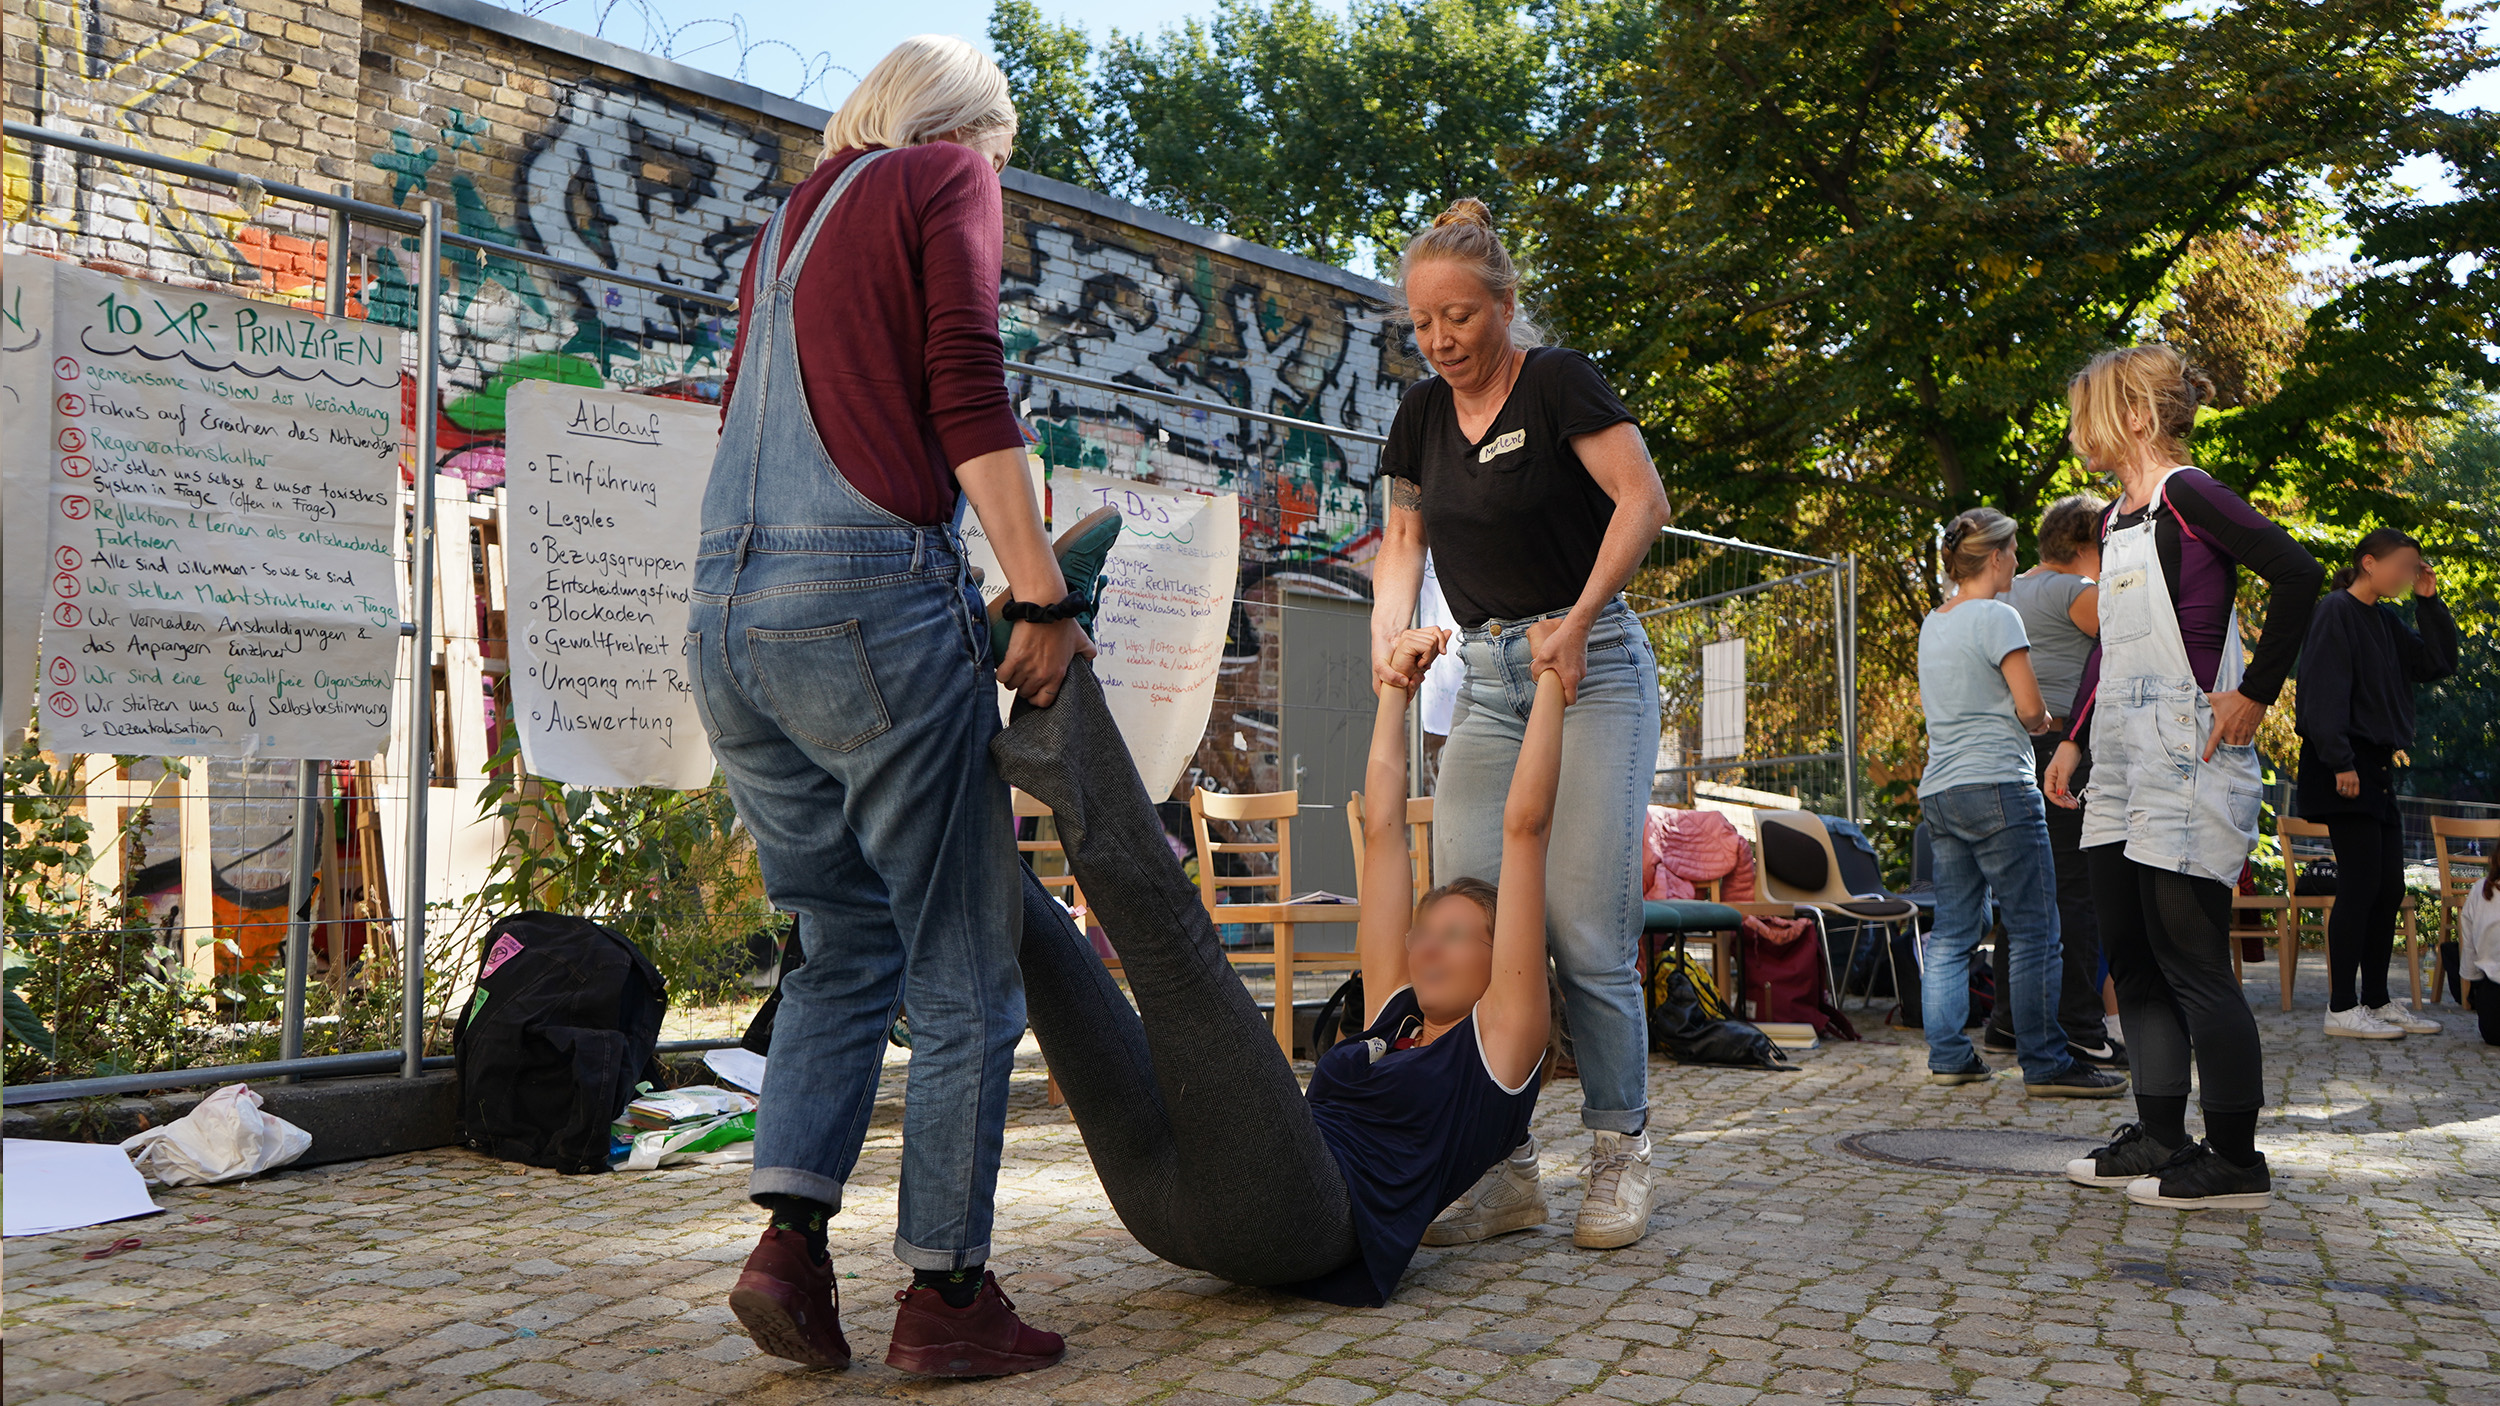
<point>1411,1132</point>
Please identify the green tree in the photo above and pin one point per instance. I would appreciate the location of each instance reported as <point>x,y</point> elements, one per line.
<point>1856,249</point>
<point>1058,134</point>
<point>1282,122</point>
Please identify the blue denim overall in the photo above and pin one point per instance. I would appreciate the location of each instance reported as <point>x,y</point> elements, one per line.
<point>2151,784</point>
<point>842,674</point>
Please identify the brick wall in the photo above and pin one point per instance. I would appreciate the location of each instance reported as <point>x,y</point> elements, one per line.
<point>548,140</point>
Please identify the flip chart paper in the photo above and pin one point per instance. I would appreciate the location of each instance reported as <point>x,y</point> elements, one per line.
<point>25,477</point>
<point>604,501</point>
<point>1167,594</point>
<point>224,504</point>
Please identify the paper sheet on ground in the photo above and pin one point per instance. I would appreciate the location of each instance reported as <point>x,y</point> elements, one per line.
<point>742,1067</point>
<point>25,477</point>
<point>1166,599</point>
<point>223,510</point>
<point>53,1186</point>
<point>604,492</point>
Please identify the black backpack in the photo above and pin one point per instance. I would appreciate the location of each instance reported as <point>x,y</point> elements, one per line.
<point>566,1021</point>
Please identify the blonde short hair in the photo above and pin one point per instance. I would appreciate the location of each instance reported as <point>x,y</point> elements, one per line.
<point>930,86</point>
<point>1464,235</point>
<point>2122,397</point>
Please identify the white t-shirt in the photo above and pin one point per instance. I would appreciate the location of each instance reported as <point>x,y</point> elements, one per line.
<point>2479,943</point>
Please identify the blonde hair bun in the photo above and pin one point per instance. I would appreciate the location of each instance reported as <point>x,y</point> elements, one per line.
<point>1466,210</point>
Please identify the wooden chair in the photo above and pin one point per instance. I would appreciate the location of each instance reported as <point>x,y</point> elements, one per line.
<point>2286,948</point>
<point>1794,863</point>
<point>2301,841</point>
<point>1282,915</point>
<point>2456,879</point>
<point>1056,878</point>
<point>1418,840</point>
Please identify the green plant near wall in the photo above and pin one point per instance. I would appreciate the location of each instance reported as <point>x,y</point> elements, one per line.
<point>92,988</point>
<point>669,869</point>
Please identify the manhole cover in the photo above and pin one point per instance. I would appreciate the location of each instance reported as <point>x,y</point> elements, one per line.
<point>2015,1152</point>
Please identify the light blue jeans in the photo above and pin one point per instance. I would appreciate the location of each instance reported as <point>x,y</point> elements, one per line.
<point>841,667</point>
<point>1593,855</point>
<point>1993,838</point>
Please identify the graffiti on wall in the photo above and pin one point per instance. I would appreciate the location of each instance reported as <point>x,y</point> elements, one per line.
<point>1217,334</point>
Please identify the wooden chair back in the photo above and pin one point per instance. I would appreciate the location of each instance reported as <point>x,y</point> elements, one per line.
<point>1418,840</point>
<point>1773,888</point>
<point>2458,875</point>
<point>1277,807</point>
<point>1054,876</point>
<point>2458,870</point>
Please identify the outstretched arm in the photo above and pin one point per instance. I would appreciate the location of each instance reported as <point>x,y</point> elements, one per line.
<point>1512,1018</point>
<point>1388,875</point>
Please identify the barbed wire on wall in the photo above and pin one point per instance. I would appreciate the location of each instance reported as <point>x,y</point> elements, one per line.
<point>694,42</point>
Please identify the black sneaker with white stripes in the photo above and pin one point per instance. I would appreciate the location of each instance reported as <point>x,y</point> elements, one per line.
<point>2201,1179</point>
<point>2131,1154</point>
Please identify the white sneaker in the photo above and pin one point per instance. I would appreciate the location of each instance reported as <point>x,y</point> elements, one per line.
<point>1622,1191</point>
<point>2405,1018</point>
<point>1505,1199</point>
<point>2359,1023</point>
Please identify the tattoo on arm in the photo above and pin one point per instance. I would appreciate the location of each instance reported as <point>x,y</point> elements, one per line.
<point>1406,493</point>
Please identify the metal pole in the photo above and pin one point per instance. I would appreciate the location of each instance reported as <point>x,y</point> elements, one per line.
<point>300,853</point>
<point>1847,623</point>
<point>334,284</point>
<point>298,900</point>
<point>421,671</point>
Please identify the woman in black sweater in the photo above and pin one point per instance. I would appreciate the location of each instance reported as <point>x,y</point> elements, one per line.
<point>2355,706</point>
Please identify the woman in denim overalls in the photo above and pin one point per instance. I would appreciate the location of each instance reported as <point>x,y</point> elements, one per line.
<point>2172,705</point>
<point>842,669</point>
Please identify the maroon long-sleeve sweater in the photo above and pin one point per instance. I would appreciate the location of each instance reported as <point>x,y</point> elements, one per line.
<point>896,315</point>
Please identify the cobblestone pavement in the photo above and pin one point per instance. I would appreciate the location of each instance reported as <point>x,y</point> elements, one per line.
<point>1779,1271</point>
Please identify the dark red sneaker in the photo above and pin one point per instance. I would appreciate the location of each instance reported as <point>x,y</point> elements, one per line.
<point>787,1303</point>
<point>984,1339</point>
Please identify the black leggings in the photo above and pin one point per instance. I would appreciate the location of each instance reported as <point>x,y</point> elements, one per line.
<point>2169,942</point>
<point>2369,889</point>
<point>1190,1113</point>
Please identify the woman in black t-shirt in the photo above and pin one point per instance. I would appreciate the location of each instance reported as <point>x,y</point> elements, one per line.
<point>2358,669</point>
<point>1525,476</point>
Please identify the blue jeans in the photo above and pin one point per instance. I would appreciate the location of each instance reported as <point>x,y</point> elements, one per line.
<point>1593,856</point>
<point>1993,837</point>
<point>841,666</point>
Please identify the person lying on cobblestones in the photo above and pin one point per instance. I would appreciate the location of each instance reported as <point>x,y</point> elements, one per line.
<point>1207,1148</point>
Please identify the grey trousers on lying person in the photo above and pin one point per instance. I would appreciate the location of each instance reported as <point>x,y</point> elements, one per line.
<point>1190,1113</point>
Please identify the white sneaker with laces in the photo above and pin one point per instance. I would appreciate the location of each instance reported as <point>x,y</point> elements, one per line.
<point>2405,1018</point>
<point>1622,1192</point>
<point>1507,1198</point>
<point>2358,1023</point>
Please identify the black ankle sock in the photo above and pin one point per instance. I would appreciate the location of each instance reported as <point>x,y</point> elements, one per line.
<point>2234,1135</point>
<point>959,1287</point>
<point>802,1217</point>
<point>2164,1118</point>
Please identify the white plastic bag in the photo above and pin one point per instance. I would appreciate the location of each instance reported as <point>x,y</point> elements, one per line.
<point>225,1138</point>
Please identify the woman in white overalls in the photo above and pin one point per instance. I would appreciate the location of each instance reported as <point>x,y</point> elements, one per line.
<point>2169,708</point>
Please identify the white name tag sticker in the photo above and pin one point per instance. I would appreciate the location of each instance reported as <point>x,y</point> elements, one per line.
<point>1501,446</point>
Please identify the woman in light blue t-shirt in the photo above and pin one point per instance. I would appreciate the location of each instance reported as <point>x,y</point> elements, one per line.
<point>1986,820</point>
